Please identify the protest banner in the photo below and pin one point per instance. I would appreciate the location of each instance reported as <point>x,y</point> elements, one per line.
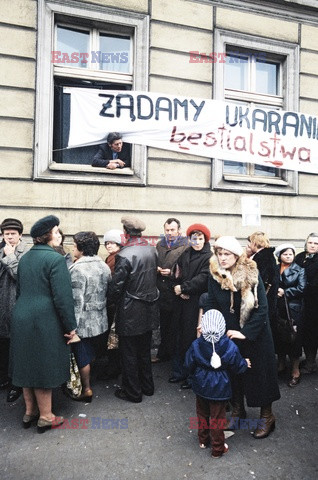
<point>208,128</point>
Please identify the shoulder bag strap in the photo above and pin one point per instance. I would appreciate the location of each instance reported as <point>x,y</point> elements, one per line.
<point>290,320</point>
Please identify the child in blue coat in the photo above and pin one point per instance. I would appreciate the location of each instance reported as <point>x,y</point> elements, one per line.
<point>208,360</point>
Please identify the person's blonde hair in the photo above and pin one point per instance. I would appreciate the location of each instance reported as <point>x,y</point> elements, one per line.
<point>260,239</point>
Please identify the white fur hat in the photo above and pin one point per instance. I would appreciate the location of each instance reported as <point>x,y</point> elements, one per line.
<point>116,236</point>
<point>230,244</point>
<point>282,247</point>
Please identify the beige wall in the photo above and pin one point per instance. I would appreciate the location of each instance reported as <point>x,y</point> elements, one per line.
<point>176,184</point>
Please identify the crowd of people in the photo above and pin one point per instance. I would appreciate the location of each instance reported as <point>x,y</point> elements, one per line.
<point>229,317</point>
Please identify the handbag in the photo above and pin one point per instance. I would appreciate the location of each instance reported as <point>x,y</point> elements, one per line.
<point>286,329</point>
<point>74,385</point>
<point>112,342</point>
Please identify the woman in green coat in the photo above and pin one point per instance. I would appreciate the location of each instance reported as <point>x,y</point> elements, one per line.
<point>42,317</point>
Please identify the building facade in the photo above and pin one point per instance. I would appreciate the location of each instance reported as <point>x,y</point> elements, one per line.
<point>249,52</point>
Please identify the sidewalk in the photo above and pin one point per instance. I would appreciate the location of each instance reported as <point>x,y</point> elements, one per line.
<point>152,440</point>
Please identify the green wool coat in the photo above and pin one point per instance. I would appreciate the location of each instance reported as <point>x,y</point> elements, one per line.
<point>44,311</point>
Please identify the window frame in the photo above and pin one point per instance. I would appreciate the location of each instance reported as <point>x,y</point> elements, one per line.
<point>287,183</point>
<point>44,166</point>
<point>93,32</point>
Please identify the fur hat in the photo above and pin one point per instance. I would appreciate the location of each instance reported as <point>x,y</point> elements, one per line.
<point>44,225</point>
<point>201,228</point>
<point>284,246</point>
<point>11,224</point>
<point>115,236</point>
<point>230,244</point>
<point>133,224</point>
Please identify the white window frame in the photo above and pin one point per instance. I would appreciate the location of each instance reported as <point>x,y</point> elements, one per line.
<point>92,71</point>
<point>44,167</point>
<point>287,183</point>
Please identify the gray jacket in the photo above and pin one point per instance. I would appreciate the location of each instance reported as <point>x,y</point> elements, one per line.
<point>8,276</point>
<point>90,278</point>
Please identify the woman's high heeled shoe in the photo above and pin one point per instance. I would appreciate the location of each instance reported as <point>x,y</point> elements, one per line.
<point>294,381</point>
<point>86,397</point>
<point>29,419</point>
<point>44,424</point>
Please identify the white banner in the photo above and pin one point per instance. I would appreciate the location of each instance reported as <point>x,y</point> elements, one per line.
<point>209,128</point>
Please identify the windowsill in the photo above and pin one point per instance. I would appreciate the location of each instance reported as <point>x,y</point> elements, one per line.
<point>68,167</point>
<point>254,179</point>
<point>76,173</point>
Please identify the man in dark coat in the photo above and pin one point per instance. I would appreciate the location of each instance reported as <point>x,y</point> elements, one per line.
<point>11,250</point>
<point>135,293</point>
<point>169,249</point>
<point>113,154</point>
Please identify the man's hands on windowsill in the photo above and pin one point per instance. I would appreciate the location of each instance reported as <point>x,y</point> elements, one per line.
<point>117,163</point>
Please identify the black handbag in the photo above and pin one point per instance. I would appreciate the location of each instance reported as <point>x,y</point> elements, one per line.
<point>286,328</point>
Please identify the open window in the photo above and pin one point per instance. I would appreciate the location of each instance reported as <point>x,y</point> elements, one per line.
<point>257,72</point>
<point>81,46</point>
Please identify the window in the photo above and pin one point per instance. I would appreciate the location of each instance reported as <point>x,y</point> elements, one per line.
<point>258,73</point>
<point>88,47</point>
<point>83,57</point>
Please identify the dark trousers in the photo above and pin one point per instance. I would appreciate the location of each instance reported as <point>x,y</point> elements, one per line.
<point>166,335</point>
<point>135,357</point>
<point>211,414</point>
<point>178,369</point>
<point>4,358</point>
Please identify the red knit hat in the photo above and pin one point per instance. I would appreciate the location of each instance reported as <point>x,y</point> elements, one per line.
<point>201,228</point>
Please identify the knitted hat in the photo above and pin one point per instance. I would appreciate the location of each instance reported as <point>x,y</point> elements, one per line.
<point>133,224</point>
<point>201,228</point>
<point>44,225</point>
<point>212,329</point>
<point>115,236</point>
<point>11,224</point>
<point>230,244</point>
<point>284,246</point>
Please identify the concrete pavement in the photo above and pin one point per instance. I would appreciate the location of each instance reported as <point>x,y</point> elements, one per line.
<point>152,440</point>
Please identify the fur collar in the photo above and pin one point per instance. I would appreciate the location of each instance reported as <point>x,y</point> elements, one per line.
<point>243,278</point>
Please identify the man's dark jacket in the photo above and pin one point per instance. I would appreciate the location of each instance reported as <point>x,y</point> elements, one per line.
<point>105,154</point>
<point>167,258</point>
<point>134,289</point>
